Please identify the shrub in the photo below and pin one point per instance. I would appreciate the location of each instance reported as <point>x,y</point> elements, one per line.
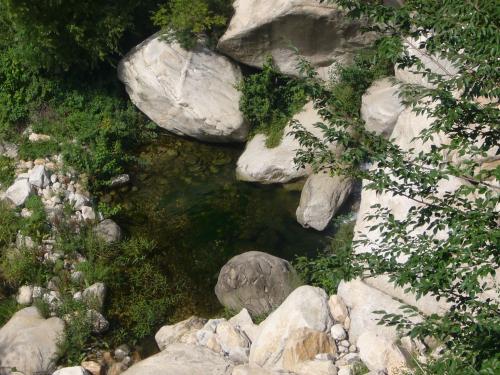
<point>7,173</point>
<point>185,20</point>
<point>22,266</point>
<point>8,307</point>
<point>9,222</point>
<point>333,264</point>
<point>36,225</point>
<point>269,100</point>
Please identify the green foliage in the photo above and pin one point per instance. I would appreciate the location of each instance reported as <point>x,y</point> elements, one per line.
<point>8,225</point>
<point>186,20</point>
<point>23,266</point>
<point>35,225</point>
<point>59,35</point>
<point>411,250</point>
<point>7,173</point>
<point>8,307</point>
<point>78,331</point>
<point>269,100</point>
<point>333,264</point>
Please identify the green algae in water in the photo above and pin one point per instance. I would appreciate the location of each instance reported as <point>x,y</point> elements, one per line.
<point>189,201</point>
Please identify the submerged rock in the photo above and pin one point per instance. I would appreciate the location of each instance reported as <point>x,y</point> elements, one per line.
<point>256,281</point>
<point>189,93</point>
<point>321,198</point>
<point>28,342</point>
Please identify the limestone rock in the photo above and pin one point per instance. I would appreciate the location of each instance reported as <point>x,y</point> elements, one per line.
<point>381,106</point>
<point>98,321</point>
<point>258,163</point>
<point>19,192</point>
<point>189,93</point>
<point>434,63</point>
<point>255,370</point>
<point>338,332</point>
<point>256,281</point>
<point>183,359</point>
<point>95,295</point>
<point>305,307</point>
<point>234,343</point>
<point>9,150</point>
<point>25,295</point>
<point>76,370</point>
<point>338,309</point>
<point>39,177</point>
<point>108,231</point>
<point>316,367</point>
<point>28,342</point>
<point>380,354</point>
<point>362,301</point>
<point>243,321</point>
<point>92,367</point>
<point>303,345</point>
<point>321,32</point>
<point>182,332</point>
<point>321,198</point>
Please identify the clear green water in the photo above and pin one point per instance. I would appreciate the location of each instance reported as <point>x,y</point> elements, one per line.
<point>186,197</point>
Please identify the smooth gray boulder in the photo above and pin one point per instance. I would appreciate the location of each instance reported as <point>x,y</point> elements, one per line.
<point>189,93</point>
<point>321,198</point>
<point>256,281</point>
<point>108,231</point>
<point>28,342</point>
<point>183,359</point>
<point>319,31</point>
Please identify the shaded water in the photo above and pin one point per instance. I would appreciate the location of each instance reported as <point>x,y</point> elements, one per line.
<point>186,197</point>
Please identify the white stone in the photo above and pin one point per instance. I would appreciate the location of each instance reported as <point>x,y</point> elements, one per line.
<point>305,307</point>
<point>76,370</point>
<point>234,343</point>
<point>321,198</point>
<point>380,354</point>
<point>98,321</point>
<point>338,333</point>
<point>320,31</point>
<point>316,367</point>
<point>243,321</point>
<point>88,213</point>
<point>28,342</point>
<point>182,332</point>
<point>187,92</point>
<point>19,192</point>
<point>258,163</point>
<point>34,137</point>
<point>39,177</point>
<point>120,180</point>
<point>78,200</point>
<point>381,106</point>
<point>25,295</point>
<point>362,301</point>
<point>95,295</point>
<point>256,370</point>
<point>338,309</point>
<point>183,359</point>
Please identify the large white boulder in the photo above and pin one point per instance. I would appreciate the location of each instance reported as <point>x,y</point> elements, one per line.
<point>183,359</point>
<point>257,281</point>
<point>381,354</point>
<point>434,63</point>
<point>319,31</point>
<point>362,300</point>
<point>258,163</point>
<point>305,307</point>
<point>189,93</point>
<point>321,198</point>
<point>381,106</point>
<point>28,342</point>
<point>19,192</point>
<point>76,370</point>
